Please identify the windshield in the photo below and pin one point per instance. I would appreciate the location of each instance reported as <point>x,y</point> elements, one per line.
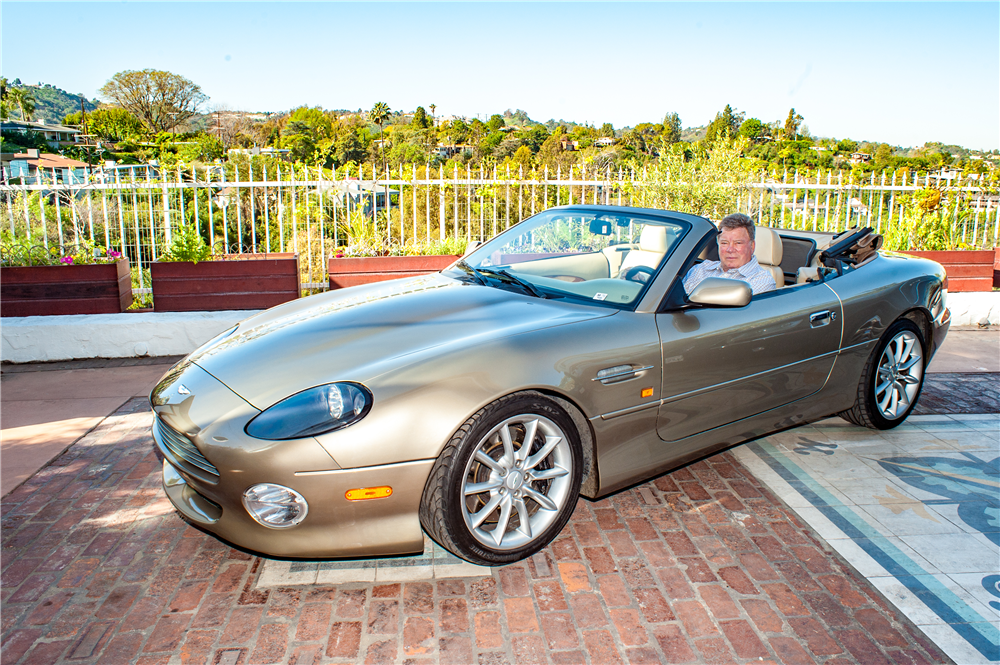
<point>605,258</point>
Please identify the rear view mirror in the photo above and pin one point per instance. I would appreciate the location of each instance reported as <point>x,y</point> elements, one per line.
<point>721,292</point>
<point>600,227</point>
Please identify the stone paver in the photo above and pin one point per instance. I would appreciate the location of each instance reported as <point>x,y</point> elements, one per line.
<point>959,393</point>
<point>701,565</point>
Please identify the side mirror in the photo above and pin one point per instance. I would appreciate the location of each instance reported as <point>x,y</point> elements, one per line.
<point>471,247</point>
<point>721,292</point>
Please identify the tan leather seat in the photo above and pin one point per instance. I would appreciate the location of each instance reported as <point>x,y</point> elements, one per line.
<point>652,247</point>
<point>768,252</point>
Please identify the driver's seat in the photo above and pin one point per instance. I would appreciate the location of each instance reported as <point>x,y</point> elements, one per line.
<point>768,250</point>
<point>652,247</point>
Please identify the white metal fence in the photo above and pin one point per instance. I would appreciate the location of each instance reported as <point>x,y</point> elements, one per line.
<point>268,206</point>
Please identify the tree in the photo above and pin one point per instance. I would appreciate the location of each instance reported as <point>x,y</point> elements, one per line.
<point>4,105</point>
<point>305,128</point>
<point>114,124</point>
<point>671,128</point>
<point>883,153</point>
<point>379,114</point>
<point>348,148</point>
<point>23,100</point>
<point>458,131</point>
<point>753,129</point>
<point>534,137</point>
<point>161,100</point>
<point>433,108</point>
<point>495,122</point>
<point>607,129</point>
<point>792,123</point>
<point>727,123</point>
<point>420,120</point>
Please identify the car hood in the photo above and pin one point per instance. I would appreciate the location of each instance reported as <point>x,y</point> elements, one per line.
<point>359,333</point>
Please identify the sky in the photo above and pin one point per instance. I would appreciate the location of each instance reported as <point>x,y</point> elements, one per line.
<point>904,73</point>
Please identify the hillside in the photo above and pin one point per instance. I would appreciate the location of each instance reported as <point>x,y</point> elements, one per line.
<point>52,103</point>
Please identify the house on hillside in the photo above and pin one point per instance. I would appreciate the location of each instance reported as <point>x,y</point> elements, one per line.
<point>284,154</point>
<point>57,136</point>
<point>362,195</point>
<point>111,171</point>
<point>445,150</point>
<point>604,142</point>
<point>34,165</point>
<point>860,158</point>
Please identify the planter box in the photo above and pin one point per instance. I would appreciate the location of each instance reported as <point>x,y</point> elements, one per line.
<point>355,271</point>
<point>246,281</point>
<point>967,269</point>
<point>996,269</point>
<point>104,288</point>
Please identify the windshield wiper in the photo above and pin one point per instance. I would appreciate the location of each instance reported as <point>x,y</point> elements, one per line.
<point>527,286</point>
<point>472,271</point>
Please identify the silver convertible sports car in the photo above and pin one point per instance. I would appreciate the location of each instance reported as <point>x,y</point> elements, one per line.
<point>562,357</point>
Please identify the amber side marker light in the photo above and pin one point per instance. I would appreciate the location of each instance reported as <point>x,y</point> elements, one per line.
<point>365,493</point>
<point>647,392</point>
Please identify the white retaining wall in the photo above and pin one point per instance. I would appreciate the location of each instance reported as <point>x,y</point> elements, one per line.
<point>47,338</point>
<point>129,335</point>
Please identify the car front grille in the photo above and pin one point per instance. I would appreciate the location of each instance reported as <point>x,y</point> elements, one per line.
<point>182,452</point>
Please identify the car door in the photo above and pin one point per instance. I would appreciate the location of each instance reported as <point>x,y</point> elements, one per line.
<point>723,364</point>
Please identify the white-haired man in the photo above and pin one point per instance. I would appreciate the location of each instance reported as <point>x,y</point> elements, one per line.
<point>736,258</point>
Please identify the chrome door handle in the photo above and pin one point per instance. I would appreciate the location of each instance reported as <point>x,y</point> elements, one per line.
<point>817,319</point>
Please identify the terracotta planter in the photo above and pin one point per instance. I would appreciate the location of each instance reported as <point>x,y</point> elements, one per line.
<point>354,271</point>
<point>244,281</point>
<point>104,288</point>
<point>967,269</point>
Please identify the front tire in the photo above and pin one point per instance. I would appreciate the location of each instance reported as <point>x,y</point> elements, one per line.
<point>506,483</point>
<point>892,379</point>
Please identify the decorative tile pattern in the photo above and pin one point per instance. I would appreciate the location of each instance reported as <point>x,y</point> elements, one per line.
<point>915,509</point>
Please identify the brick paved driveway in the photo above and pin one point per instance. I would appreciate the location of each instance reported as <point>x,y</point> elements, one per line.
<point>701,565</point>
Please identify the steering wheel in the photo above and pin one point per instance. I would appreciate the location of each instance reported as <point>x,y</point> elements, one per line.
<point>639,274</point>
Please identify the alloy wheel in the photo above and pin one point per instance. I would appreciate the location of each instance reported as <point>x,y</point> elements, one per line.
<point>899,374</point>
<point>517,481</point>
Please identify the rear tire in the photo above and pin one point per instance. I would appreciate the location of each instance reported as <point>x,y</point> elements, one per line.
<point>506,483</point>
<point>892,379</point>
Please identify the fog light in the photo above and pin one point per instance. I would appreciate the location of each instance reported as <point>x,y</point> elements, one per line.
<point>275,506</point>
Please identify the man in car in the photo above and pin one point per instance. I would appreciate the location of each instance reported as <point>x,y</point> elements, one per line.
<point>736,258</point>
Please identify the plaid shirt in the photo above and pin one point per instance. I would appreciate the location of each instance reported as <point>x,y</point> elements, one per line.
<point>760,280</point>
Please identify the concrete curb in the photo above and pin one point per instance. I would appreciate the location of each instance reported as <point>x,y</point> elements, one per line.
<point>129,335</point>
<point>975,308</point>
<point>48,338</point>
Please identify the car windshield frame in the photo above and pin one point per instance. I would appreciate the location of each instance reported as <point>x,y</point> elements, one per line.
<point>580,255</point>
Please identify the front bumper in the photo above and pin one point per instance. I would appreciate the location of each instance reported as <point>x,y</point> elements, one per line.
<point>334,527</point>
<point>209,462</point>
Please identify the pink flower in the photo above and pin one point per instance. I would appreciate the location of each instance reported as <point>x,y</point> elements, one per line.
<point>113,254</point>
<point>66,259</point>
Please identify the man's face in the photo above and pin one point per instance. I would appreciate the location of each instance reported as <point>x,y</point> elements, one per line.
<point>735,248</point>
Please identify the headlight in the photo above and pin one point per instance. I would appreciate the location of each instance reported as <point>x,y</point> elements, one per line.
<point>275,506</point>
<point>313,411</point>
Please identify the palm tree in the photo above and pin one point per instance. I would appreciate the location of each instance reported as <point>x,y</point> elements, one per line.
<point>379,114</point>
<point>23,100</point>
<point>433,108</point>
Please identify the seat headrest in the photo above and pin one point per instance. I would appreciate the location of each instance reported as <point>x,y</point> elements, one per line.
<point>767,247</point>
<point>653,239</point>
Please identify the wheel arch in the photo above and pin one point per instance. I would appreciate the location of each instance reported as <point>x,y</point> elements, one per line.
<point>922,319</point>
<point>590,481</point>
